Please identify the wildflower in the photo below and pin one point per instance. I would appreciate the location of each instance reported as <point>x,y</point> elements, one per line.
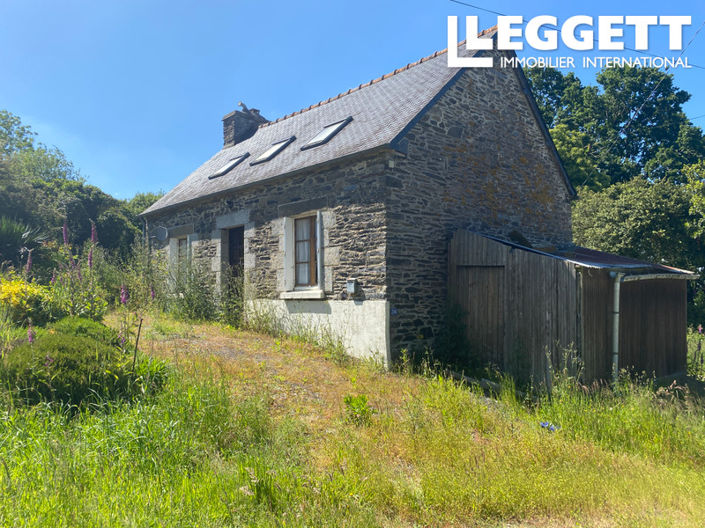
<point>152,293</point>
<point>700,329</point>
<point>90,259</point>
<point>94,233</point>
<point>48,361</point>
<point>124,295</point>
<point>53,277</point>
<point>548,425</point>
<point>28,267</point>
<point>30,333</point>
<point>65,233</point>
<point>80,275</point>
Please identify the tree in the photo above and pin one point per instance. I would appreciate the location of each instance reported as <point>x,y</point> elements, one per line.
<point>14,136</point>
<point>656,221</point>
<point>40,187</point>
<point>639,218</point>
<point>632,124</point>
<point>576,150</point>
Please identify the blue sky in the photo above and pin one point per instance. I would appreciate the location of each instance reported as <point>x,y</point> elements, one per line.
<point>133,91</point>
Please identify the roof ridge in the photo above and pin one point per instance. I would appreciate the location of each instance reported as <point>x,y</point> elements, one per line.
<point>373,81</point>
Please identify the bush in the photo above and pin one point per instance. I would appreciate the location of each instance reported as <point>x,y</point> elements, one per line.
<point>67,368</point>
<point>82,327</point>
<point>232,297</point>
<point>193,295</point>
<point>27,300</point>
<point>74,285</point>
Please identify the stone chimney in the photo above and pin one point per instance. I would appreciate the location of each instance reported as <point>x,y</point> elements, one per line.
<point>241,125</point>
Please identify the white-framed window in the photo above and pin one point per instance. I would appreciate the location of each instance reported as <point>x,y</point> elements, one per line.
<point>303,254</point>
<point>181,251</point>
<point>179,254</point>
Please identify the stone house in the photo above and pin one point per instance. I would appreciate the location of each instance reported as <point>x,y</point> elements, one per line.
<point>341,213</point>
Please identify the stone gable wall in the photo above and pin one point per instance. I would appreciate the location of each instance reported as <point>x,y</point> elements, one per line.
<point>478,160</point>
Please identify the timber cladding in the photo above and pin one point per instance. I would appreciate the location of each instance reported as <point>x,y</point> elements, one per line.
<point>652,328</point>
<point>520,306</point>
<point>526,311</point>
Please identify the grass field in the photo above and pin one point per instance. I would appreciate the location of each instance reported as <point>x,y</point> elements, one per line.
<point>254,431</point>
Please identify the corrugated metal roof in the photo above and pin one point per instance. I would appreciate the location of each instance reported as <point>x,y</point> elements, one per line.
<point>380,111</point>
<point>592,258</point>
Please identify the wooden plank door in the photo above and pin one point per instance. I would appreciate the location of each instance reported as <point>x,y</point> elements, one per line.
<point>479,290</point>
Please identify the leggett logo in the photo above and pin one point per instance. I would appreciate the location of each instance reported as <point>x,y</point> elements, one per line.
<point>577,33</point>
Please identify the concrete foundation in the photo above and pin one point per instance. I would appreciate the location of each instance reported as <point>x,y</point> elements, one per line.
<point>361,326</point>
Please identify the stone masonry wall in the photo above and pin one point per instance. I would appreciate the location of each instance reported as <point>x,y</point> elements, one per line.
<point>478,160</point>
<point>354,228</point>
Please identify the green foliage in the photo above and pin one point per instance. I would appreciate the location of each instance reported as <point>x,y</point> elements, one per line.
<point>695,178</point>
<point>358,410</point>
<point>82,327</point>
<point>75,287</point>
<point>232,300</point>
<point>437,453</point>
<point>452,346</point>
<point>67,369</point>
<point>640,219</point>
<point>41,187</point>
<point>138,203</point>
<point>17,239</point>
<point>656,221</point>
<point>145,276</point>
<point>666,425</point>
<point>600,136</point>
<point>117,231</point>
<point>696,353</point>
<point>27,301</point>
<point>192,293</point>
<point>42,163</point>
<point>14,136</point>
<point>576,149</point>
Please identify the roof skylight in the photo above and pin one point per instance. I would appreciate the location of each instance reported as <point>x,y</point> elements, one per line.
<point>231,164</point>
<point>272,151</point>
<point>325,135</point>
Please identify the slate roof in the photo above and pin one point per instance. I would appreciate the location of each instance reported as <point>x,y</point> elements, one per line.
<point>381,110</point>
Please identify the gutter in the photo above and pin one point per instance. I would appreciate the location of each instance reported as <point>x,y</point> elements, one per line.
<point>654,276</point>
<point>618,279</point>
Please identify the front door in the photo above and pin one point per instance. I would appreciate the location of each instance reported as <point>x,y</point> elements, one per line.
<point>236,249</point>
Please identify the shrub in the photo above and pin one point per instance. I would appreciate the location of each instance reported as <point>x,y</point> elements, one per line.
<point>452,346</point>
<point>232,297</point>
<point>193,293</point>
<point>27,300</point>
<point>67,368</point>
<point>74,286</point>
<point>82,327</point>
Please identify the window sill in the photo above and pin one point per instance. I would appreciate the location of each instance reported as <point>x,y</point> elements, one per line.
<point>313,293</point>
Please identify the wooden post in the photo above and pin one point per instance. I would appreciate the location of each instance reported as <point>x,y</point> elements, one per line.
<point>137,342</point>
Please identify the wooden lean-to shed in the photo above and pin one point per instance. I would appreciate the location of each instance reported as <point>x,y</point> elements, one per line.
<point>523,306</point>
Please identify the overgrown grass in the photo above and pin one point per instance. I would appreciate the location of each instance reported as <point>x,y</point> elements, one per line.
<point>281,436</point>
<point>191,456</point>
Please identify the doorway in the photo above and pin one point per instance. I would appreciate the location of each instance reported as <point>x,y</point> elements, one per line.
<point>236,249</point>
